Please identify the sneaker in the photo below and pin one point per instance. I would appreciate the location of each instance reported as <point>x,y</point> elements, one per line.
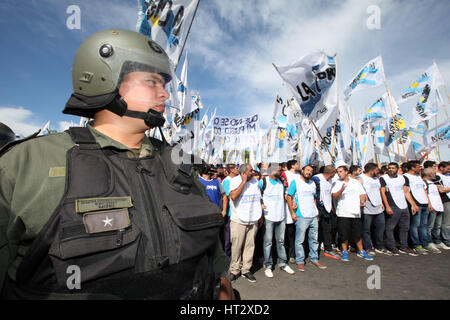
<point>322,247</point>
<point>363,254</point>
<point>249,277</point>
<point>371,252</point>
<point>318,265</point>
<point>432,248</point>
<point>233,277</point>
<point>331,254</point>
<point>395,251</point>
<point>421,250</point>
<point>344,255</point>
<point>443,246</point>
<point>292,261</point>
<point>268,273</point>
<point>383,251</point>
<point>287,269</point>
<point>301,267</point>
<point>409,252</point>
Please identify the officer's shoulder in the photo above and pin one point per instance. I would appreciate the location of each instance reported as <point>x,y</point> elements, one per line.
<point>35,144</point>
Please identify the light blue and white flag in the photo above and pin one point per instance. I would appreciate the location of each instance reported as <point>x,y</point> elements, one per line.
<point>370,76</point>
<point>443,135</point>
<point>377,111</point>
<point>167,22</point>
<point>426,89</point>
<point>308,80</point>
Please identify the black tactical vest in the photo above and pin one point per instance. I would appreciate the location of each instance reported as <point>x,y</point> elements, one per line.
<point>136,228</point>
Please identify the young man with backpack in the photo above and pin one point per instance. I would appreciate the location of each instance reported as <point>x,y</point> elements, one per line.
<point>303,190</point>
<point>327,218</point>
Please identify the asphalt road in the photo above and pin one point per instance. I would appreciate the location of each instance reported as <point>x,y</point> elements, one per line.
<point>401,277</point>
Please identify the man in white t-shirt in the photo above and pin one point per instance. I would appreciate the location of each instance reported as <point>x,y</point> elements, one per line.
<point>246,217</point>
<point>350,197</point>
<point>373,215</point>
<point>436,210</point>
<point>303,190</point>
<point>419,220</point>
<point>395,193</point>
<point>289,239</point>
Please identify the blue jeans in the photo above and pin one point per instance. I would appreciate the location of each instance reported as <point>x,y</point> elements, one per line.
<point>434,226</point>
<point>419,225</point>
<point>301,225</point>
<point>379,224</point>
<point>279,228</point>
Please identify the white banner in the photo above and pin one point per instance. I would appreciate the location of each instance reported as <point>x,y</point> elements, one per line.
<point>239,132</point>
<point>167,22</point>
<point>309,80</point>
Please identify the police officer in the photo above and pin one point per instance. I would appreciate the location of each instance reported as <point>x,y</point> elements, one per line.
<point>103,211</point>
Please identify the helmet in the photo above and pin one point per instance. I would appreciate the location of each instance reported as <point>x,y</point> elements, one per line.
<point>100,64</point>
<point>6,135</point>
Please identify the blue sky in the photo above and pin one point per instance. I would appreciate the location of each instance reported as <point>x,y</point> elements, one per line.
<point>231,48</point>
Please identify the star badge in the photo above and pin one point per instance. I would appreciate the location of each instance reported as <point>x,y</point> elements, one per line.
<point>107,221</point>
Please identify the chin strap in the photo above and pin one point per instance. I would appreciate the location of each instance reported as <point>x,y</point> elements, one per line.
<point>151,117</point>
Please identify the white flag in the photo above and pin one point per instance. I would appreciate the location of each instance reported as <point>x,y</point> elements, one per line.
<point>371,75</point>
<point>167,23</point>
<point>309,80</point>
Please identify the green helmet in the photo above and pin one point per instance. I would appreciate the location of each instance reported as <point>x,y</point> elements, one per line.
<point>103,60</point>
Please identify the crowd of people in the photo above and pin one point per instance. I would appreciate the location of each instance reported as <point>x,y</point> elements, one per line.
<point>381,210</point>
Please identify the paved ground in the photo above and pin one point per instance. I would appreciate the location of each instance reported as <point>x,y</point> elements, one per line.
<point>402,277</point>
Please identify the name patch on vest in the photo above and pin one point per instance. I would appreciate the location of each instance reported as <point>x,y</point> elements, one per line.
<point>102,221</point>
<point>95,204</point>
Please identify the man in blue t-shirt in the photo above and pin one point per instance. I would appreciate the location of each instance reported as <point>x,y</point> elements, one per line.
<point>214,188</point>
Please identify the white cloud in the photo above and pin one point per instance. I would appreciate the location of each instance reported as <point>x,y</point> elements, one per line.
<point>20,120</point>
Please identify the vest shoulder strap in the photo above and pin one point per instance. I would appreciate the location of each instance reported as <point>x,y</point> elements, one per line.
<point>81,135</point>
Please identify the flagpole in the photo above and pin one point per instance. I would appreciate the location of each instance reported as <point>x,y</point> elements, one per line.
<point>318,132</point>
<point>187,35</point>
<point>299,147</point>
<point>271,125</point>
<point>319,146</point>
<point>337,104</point>
<point>445,88</point>
<point>437,138</point>
<point>392,112</point>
